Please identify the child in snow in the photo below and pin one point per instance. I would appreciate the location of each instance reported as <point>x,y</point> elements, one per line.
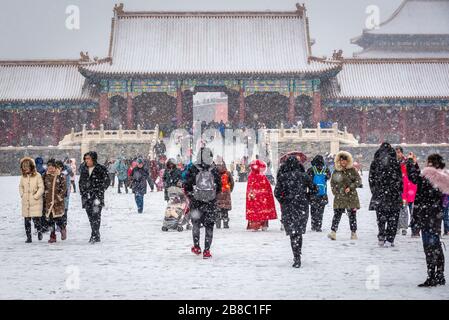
<point>320,174</point>
<point>55,191</point>
<point>224,202</point>
<point>31,189</point>
<point>139,179</point>
<point>171,177</point>
<point>260,207</point>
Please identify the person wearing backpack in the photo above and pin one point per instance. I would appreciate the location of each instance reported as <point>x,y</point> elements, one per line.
<point>224,202</point>
<point>320,174</point>
<point>202,185</point>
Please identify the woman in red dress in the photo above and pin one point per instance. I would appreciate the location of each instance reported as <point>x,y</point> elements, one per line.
<point>260,205</point>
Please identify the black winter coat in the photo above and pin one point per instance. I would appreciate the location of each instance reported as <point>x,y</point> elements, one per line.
<point>208,210</point>
<point>94,186</point>
<point>139,179</point>
<point>428,205</point>
<point>293,190</point>
<point>385,180</point>
<point>171,178</point>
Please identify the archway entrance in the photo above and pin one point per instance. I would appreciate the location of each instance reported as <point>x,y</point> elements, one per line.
<point>303,111</point>
<point>118,112</point>
<point>266,108</point>
<point>155,108</point>
<point>210,107</point>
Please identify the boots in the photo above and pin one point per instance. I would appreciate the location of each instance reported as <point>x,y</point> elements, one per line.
<point>52,237</point>
<point>439,278</point>
<point>218,223</point>
<point>63,233</point>
<point>226,224</point>
<point>297,262</point>
<point>439,262</point>
<point>428,283</point>
<point>332,235</point>
<point>206,254</point>
<point>29,240</point>
<point>196,250</point>
<point>40,236</point>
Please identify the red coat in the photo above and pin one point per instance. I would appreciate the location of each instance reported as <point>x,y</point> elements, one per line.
<point>410,188</point>
<point>259,195</point>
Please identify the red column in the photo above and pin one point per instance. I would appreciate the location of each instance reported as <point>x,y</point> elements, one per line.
<point>242,106</point>
<point>291,108</point>
<point>364,125</point>
<point>442,121</point>
<point>129,112</point>
<point>104,107</point>
<point>179,106</point>
<point>316,108</point>
<point>402,125</point>
<point>323,114</point>
<point>56,126</point>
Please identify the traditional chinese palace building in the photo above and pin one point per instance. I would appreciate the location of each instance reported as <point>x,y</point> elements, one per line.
<point>396,88</point>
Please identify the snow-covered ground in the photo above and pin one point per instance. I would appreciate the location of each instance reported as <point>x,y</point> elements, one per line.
<point>136,260</point>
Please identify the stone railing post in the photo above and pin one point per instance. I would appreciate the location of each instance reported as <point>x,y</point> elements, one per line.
<point>345,133</point>
<point>120,131</point>
<point>101,131</point>
<point>84,132</point>
<point>282,130</point>
<point>318,130</point>
<point>300,130</point>
<point>72,134</point>
<point>335,128</point>
<point>156,131</point>
<point>139,132</point>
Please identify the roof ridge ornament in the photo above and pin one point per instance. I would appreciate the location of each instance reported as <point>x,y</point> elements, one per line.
<point>301,9</point>
<point>118,9</point>
<point>337,55</point>
<point>84,56</point>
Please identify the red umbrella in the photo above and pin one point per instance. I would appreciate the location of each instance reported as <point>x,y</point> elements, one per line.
<point>302,157</point>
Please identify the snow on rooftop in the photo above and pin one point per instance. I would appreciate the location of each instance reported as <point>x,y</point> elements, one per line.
<point>210,44</point>
<point>400,54</point>
<point>23,81</point>
<point>390,79</point>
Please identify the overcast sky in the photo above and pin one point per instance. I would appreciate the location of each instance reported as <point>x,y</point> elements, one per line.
<point>32,29</point>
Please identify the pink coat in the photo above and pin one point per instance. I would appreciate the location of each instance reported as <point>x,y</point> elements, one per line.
<point>410,188</point>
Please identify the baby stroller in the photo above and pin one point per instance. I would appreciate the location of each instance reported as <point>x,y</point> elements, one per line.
<point>175,214</point>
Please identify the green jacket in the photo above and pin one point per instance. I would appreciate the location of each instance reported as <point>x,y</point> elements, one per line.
<point>339,182</point>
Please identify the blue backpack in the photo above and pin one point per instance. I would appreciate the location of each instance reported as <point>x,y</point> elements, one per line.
<point>320,180</point>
